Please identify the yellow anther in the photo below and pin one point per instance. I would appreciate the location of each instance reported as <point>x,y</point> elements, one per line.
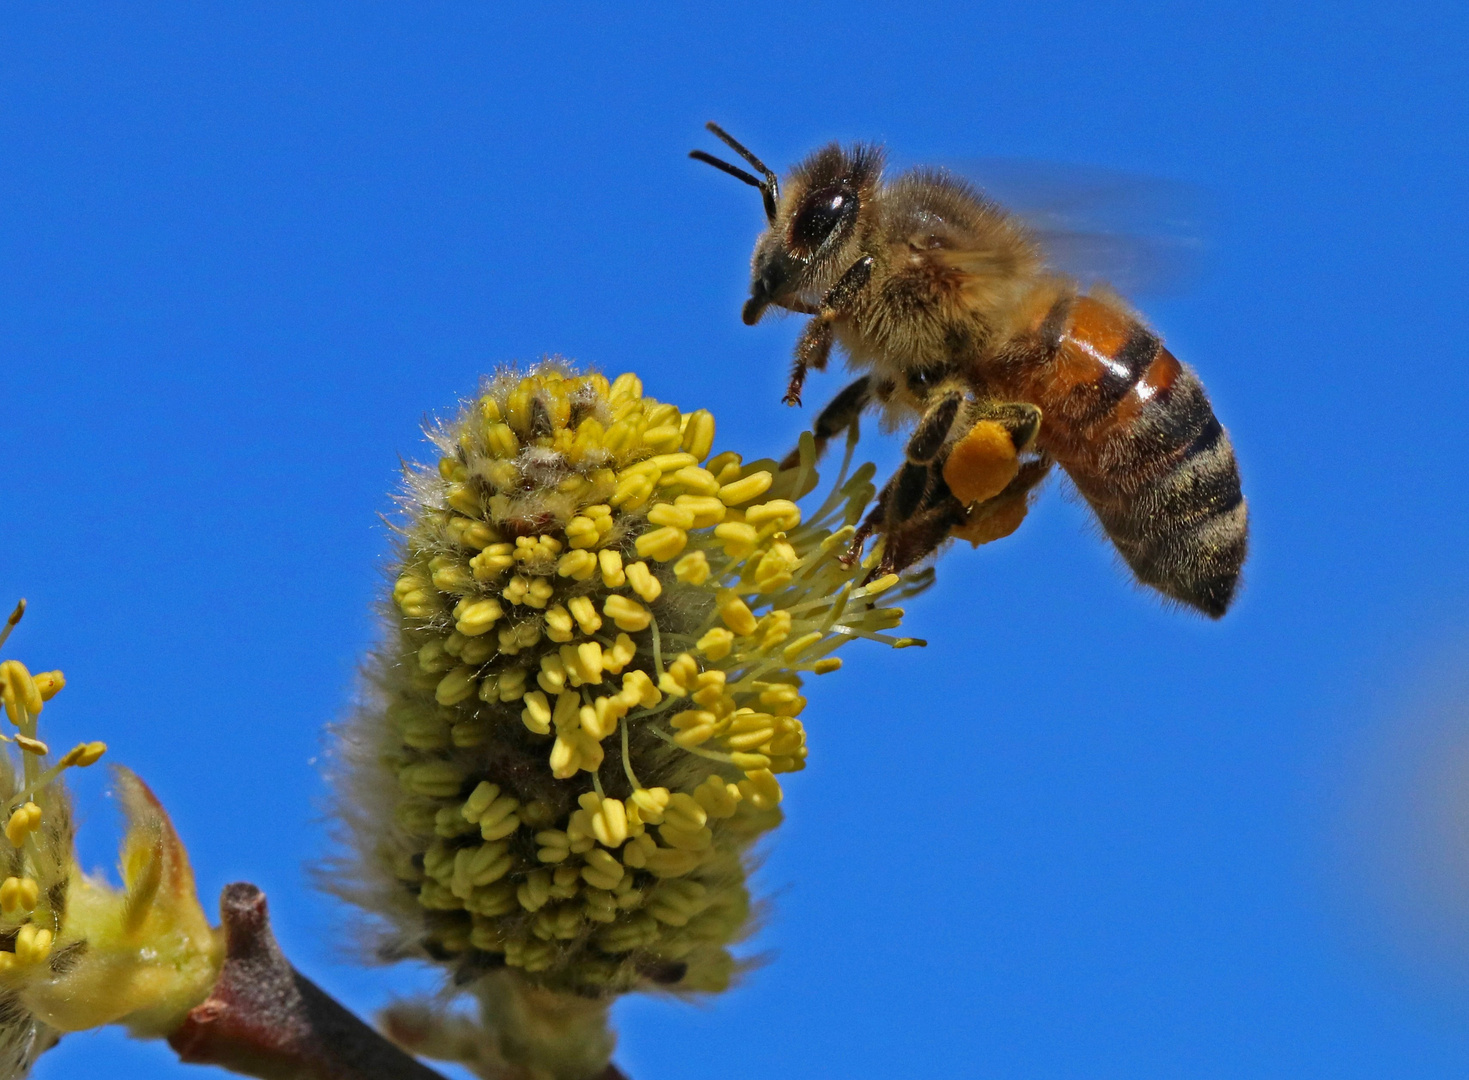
<point>750,762</point>
<point>698,433</point>
<point>585,613</point>
<point>560,627</point>
<point>774,570</point>
<point>476,651</point>
<point>511,684</point>
<point>25,820</point>
<point>642,581</point>
<point>697,481</point>
<point>742,491</point>
<point>663,438</point>
<point>459,685</point>
<point>499,819</point>
<point>474,617</point>
<point>583,661</point>
<point>695,727</point>
<point>609,823</point>
<point>538,593</point>
<point>801,644</point>
<point>536,715</point>
<point>672,515</point>
<point>436,779</point>
<point>662,544</point>
<point>501,441</point>
<point>19,894</point>
<point>566,716</point>
<point>581,532</point>
<point>565,759</point>
<point>708,689</point>
<point>680,676</point>
<point>552,676</point>
<point>692,569</point>
<point>480,865</point>
<point>783,513</point>
<point>882,584</point>
<point>19,691</point>
<point>737,538</point>
<point>605,713</point>
<point>433,657</point>
<point>718,797</point>
<point>32,944</point>
<point>32,746</point>
<point>465,499</point>
<point>579,565</point>
<point>633,489</point>
<point>749,730</point>
<point>684,812</point>
<point>554,846</point>
<point>774,629</point>
<point>493,561</point>
<point>625,387</point>
<point>613,575</point>
<point>535,891</point>
<point>651,802</point>
<point>716,644</point>
<point>826,665</point>
<point>703,510</point>
<point>480,799</point>
<point>638,689</point>
<point>451,576</point>
<point>49,684</point>
<point>602,870</point>
<point>626,614</point>
<point>735,613</point>
<point>620,655</point>
<point>84,754</point>
<point>761,788</point>
<point>466,532</point>
<point>667,463</point>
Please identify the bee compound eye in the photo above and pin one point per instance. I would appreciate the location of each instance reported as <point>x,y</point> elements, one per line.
<point>820,213</point>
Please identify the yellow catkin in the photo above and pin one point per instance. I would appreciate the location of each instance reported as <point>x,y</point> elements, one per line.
<point>576,556</point>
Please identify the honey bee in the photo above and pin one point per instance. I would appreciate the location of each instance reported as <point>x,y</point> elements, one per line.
<point>946,303</point>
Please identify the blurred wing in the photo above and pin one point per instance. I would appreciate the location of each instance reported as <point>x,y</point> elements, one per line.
<point>1142,235</point>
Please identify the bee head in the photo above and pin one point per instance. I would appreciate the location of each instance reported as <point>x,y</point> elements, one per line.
<point>800,251</point>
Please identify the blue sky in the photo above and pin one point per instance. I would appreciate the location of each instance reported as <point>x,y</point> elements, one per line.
<point>245,249</point>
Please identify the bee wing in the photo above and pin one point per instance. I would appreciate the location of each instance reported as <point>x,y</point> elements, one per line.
<point>1142,235</point>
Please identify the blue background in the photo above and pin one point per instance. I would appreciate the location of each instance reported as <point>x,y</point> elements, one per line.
<point>244,249</point>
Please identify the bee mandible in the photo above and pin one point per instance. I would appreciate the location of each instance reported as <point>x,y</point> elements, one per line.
<point>945,302</point>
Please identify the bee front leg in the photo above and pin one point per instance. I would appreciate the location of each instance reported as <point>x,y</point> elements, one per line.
<point>840,413</point>
<point>814,346</point>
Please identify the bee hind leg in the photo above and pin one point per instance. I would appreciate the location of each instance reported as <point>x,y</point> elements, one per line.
<point>915,536</point>
<point>980,463</point>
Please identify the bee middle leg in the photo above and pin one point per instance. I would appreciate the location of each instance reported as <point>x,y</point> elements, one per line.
<point>813,348</point>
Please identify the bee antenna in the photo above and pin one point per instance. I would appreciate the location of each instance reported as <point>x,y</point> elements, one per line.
<point>769,187</point>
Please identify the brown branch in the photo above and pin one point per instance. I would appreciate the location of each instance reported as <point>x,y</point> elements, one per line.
<point>266,1019</point>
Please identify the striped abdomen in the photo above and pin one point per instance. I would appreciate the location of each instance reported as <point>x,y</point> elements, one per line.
<point>1134,429</point>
